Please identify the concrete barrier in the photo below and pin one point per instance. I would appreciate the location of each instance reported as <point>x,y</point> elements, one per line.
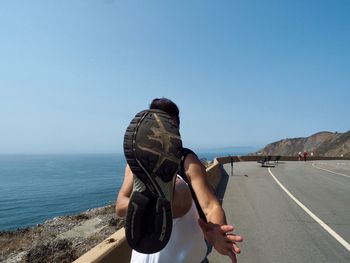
<point>255,158</point>
<point>214,174</point>
<point>113,249</point>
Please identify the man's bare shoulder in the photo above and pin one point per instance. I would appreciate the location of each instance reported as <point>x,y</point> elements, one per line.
<point>194,167</point>
<point>192,158</point>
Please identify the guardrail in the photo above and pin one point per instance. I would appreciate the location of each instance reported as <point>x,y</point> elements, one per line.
<point>113,249</point>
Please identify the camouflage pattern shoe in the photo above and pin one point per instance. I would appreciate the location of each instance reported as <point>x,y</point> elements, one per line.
<point>152,148</point>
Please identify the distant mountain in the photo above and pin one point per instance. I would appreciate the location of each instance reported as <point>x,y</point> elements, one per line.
<point>325,143</point>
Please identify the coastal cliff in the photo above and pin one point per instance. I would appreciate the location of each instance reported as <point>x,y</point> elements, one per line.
<point>328,144</point>
<point>62,239</point>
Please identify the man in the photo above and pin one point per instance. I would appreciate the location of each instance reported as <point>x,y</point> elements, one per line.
<point>216,230</point>
<point>305,155</point>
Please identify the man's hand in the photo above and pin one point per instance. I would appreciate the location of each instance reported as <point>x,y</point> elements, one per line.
<point>221,238</point>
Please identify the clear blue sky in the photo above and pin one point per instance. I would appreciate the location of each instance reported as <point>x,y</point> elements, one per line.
<point>244,73</point>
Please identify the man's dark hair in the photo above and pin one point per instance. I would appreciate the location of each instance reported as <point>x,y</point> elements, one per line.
<point>166,105</point>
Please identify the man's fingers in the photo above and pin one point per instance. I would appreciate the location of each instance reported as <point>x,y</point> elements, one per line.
<point>234,238</point>
<point>233,248</point>
<point>226,228</point>
<point>236,249</point>
<point>226,239</point>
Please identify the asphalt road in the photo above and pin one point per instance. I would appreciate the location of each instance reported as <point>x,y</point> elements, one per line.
<point>275,228</point>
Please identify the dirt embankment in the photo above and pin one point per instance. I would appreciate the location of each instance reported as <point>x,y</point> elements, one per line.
<point>62,239</point>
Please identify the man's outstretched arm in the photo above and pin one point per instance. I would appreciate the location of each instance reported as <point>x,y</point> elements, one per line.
<point>217,232</point>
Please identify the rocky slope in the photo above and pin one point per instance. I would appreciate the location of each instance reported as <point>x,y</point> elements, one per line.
<point>62,239</point>
<point>321,144</point>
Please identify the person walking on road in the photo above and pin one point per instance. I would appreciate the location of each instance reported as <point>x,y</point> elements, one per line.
<point>305,156</point>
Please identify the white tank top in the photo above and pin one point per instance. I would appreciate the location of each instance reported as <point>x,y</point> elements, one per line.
<point>186,243</point>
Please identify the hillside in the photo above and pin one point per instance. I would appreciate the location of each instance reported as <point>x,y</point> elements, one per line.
<point>321,144</point>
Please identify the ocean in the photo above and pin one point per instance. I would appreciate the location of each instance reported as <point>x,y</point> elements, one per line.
<point>36,188</point>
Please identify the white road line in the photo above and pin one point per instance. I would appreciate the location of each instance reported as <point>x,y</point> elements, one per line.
<point>341,163</point>
<point>313,164</point>
<point>313,216</point>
